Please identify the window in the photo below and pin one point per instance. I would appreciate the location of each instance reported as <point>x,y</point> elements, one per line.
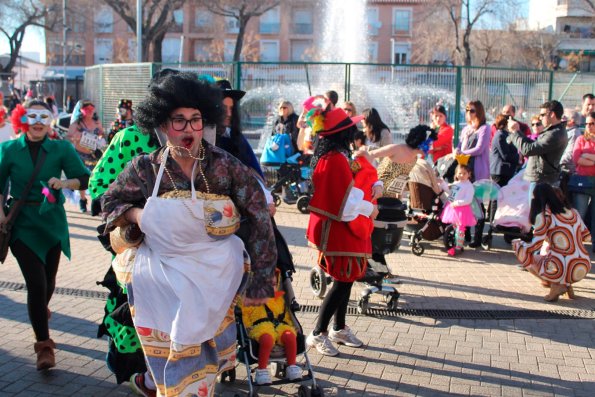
<point>269,50</point>
<point>104,20</point>
<point>232,25</point>
<point>229,48</point>
<point>372,51</point>
<point>269,21</point>
<point>178,25</point>
<point>202,50</point>
<point>401,21</point>
<point>300,50</point>
<point>302,21</point>
<point>402,53</point>
<point>132,50</point>
<point>76,22</point>
<point>203,20</point>
<point>170,49</point>
<point>103,51</point>
<point>373,23</point>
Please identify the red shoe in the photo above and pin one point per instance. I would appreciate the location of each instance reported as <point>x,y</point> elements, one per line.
<point>454,251</point>
<point>137,384</point>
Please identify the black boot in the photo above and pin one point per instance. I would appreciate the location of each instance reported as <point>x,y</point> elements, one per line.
<point>83,205</point>
<point>477,235</point>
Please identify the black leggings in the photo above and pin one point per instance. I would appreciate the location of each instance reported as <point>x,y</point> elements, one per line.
<point>40,279</point>
<point>335,303</point>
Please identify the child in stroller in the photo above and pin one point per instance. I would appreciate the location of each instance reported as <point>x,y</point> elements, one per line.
<point>294,177</point>
<point>281,310</point>
<point>425,206</point>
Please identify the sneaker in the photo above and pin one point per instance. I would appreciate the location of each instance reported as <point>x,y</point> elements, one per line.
<point>137,384</point>
<point>263,377</point>
<point>454,251</point>
<point>345,337</point>
<point>293,372</point>
<point>322,344</point>
<point>83,205</point>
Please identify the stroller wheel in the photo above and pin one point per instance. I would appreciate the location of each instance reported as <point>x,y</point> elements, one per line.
<point>230,375</point>
<point>302,204</point>
<point>417,249</point>
<point>486,242</point>
<point>318,282</point>
<point>303,391</point>
<point>393,302</point>
<point>317,391</point>
<point>276,199</point>
<point>278,370</point>
<point>449,237</point>
<point>362,305</point>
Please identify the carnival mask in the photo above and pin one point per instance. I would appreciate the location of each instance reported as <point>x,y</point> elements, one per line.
<point>42,116</point>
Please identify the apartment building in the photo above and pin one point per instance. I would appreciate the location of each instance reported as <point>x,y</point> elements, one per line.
<point>290,32</point>
<point>575,25</point>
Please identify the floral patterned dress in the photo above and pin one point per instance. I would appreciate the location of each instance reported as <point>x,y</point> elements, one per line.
<point>567,260</point>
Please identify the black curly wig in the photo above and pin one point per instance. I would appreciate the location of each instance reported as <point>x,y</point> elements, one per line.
<point>418,134</point>
<point>181,90</point>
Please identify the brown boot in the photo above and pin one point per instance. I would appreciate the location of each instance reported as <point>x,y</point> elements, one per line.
<point>555,291</point>
<point>45,354</point>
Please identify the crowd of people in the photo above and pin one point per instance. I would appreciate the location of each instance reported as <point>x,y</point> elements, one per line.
<point>190,221</point>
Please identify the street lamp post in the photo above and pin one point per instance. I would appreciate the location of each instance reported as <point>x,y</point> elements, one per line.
<point>64,30</point>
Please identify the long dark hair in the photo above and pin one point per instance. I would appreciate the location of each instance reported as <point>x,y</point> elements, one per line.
<point>339,142</point>
<point>373,120</point>
<point>544,196</point>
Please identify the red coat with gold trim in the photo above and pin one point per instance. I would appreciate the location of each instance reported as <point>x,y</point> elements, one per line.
<point>345,246</point>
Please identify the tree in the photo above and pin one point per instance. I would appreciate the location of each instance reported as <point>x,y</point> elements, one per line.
<point>17,16</point>
<point>466,15</point>
<point>240,10</point>
<point>158,18</point>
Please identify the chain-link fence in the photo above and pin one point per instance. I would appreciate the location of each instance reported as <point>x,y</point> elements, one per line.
<point>402,94</point>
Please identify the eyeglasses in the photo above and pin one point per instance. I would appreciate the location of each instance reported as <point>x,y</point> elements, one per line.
<point>470,110</point>
<point>589,124</point>
<point>538,124</point>
<point>180,123</point>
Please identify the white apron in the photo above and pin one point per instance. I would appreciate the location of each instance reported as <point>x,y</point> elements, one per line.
<point>183,281</point>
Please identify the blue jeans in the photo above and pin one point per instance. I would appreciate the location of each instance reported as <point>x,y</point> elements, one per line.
<point>581,202</point>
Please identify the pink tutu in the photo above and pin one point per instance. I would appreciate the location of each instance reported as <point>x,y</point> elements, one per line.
<point>460,216</point>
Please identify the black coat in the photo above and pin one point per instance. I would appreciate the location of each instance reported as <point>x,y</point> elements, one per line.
<point>504,156</point>
<point>288,126</point>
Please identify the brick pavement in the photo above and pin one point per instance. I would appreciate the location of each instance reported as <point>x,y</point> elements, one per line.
<point>403,355</point>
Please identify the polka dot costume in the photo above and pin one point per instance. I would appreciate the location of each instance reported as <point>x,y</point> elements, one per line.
<point>126,144</point>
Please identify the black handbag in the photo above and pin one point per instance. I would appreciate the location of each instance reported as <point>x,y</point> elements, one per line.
<point>581,183</point>
<point>6,228</point>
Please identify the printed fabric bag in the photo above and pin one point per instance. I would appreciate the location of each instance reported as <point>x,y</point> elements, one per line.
<point>277,149</point>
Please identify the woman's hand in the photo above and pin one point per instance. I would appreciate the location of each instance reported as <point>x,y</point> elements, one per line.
<point>363,152</point>
<point>377,191</point>
<point>55,183</point>
<point>374,213</point>
<point>254,301</point>
<point>133,215</point>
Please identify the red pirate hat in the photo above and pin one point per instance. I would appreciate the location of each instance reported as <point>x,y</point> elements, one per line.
<point>337,120</point>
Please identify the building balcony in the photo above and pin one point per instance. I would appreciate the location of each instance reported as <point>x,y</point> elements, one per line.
<point>571,9</point>
<point>576,45</point>
<point>302,28</point>
<point>269,28</point>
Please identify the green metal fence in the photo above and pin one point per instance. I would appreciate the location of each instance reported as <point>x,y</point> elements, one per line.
<point>403,94</point>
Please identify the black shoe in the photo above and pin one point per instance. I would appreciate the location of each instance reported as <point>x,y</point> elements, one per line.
<point>83,205</point>
<point>475,244</point>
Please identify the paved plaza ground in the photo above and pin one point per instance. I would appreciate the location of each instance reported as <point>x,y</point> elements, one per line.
<point>472,325</point>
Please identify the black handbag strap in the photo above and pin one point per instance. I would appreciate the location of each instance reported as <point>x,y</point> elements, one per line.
<point>16,208</point>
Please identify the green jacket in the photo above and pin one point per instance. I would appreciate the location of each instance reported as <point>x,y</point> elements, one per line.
<point>39,231</point>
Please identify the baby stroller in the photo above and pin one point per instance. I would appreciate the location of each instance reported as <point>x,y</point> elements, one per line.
<point>247,349</point>
<point>386,238</point>
<point>511,217</point>
<point>293,175</point>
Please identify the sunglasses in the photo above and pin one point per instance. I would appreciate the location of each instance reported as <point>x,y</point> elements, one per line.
<point>536,124</point>
<point>39,116</point>
<point>470,110</point>
<point>589,124</point>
